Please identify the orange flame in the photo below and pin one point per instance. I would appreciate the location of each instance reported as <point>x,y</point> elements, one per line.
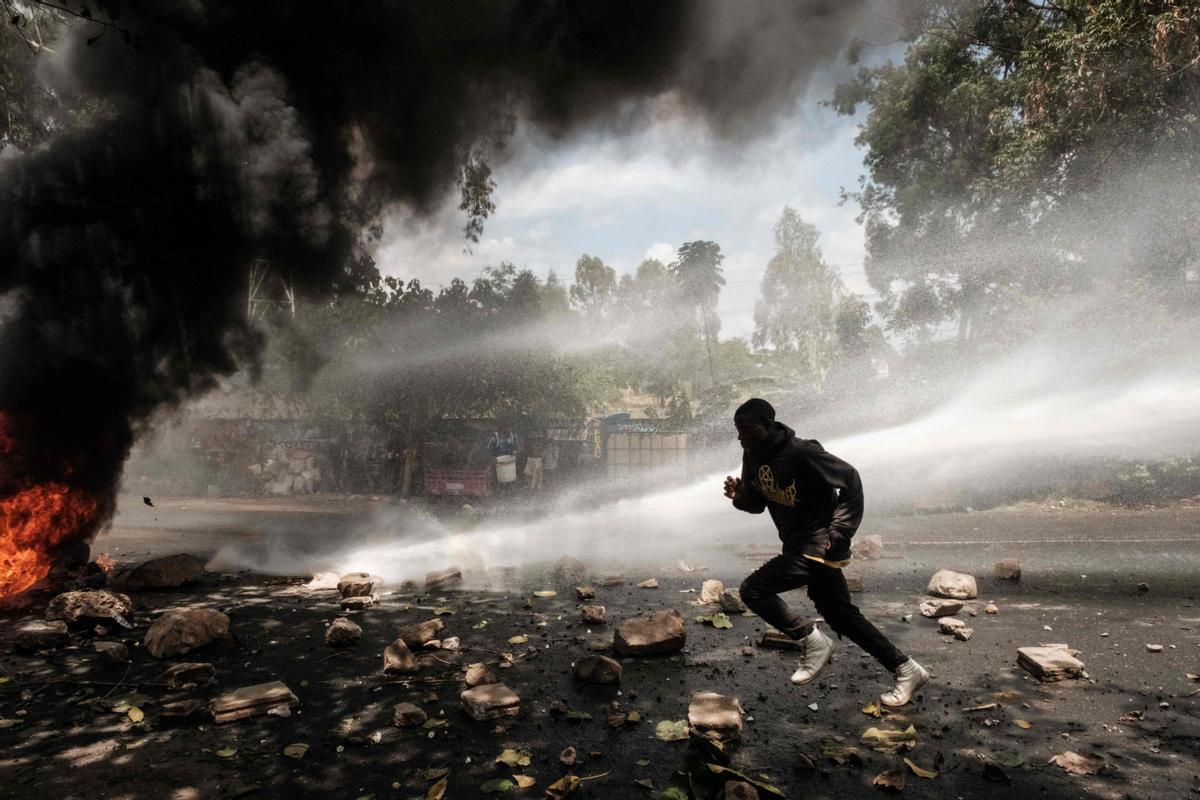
<point>32,523</point>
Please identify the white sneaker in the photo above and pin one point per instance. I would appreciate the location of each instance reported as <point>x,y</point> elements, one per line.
<point>818,649</point>
<point>910,676</point>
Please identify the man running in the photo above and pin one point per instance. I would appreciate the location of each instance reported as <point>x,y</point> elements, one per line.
<point>816,502</point>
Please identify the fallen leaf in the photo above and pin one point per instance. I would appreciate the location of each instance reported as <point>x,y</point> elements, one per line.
<point>1079,764</point>
<point>920,772</point>
<point>669,731</point>
<point>758,783</point>
<point>1191,676</point>
<point>4,679</point>
<point>524,781</point>
<point>496,786</point>
<point>297,750</point>
<point>515,758</point>
<point>643,762</point>
<point>672,793</point>
<point>518,640</point>
<point>893,780</point>
<point>563,787</point>
<point>444,611</point>
<point>1023,723</point>
<point>880,738</point>
<point>872,710</point>
<point>1005,758</point>
<point>633,716</point>
<point>135,714</point>
<point>227,752</point>
<point>721,621</point>
<point>434,774</point>
<point>433,722</point>
<point>578,716</point>
<point>478,626</point>
<point>438,790</point>
<point>545,593</point>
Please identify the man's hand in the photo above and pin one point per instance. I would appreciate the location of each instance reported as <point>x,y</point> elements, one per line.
<point>732,486</point>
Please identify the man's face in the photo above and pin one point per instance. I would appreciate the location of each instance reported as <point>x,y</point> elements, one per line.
<point>750,434</point>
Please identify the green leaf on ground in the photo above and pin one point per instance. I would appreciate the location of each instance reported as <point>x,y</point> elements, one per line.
<point>669,731</point>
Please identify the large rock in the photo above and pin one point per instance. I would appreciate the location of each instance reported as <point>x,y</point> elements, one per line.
<point>1050,662</point>
<point>491,701</point>
<point>660,633</point>
<point>443,579</point>
<point>869,547</point>
<point>406,715</point>
<point>167,572</point>
<point>711,591</point>
<point>356,584</point>
<point>184,630</point>
<point>40,635</point>
<point>342,633</point>
<point>955,585</point>
<point>415,636</point>
<point>87,608</point>
<point>715,716</point>
<point>940,608</point>
<point>187,675</point>
<point>598,669</point>
<point>398,658</point>
<point>1008,569</point>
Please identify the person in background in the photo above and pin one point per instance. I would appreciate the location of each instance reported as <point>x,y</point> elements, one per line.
<point>816,502</point>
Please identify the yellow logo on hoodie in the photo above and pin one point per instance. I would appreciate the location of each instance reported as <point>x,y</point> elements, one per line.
<point>768,489</point>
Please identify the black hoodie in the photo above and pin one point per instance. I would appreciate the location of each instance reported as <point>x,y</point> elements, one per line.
<point>815,498</point>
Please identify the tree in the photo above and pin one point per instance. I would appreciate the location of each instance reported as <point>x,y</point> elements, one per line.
<point>1011,129</point>
<point>800,294</point>
<point>594,287</point>
<point>697,268</point>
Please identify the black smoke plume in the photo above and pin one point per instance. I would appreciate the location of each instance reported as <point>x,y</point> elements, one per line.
<point>232,131</point>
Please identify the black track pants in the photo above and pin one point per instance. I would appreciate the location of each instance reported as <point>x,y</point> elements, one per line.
<point>827,589</point>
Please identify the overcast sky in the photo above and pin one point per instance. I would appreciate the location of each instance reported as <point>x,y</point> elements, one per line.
<point>643,193</point>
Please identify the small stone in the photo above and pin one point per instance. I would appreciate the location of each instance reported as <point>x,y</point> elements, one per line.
<point>740,790</point>
<point>955,585</point>
<point>406,715</point>
<point>415,636</point>
<point>183,630</point>
<point>747,650</point>
<point>1154,648</point>
<point>568,757</point>
<point>356,584</point>
<point>963,634</point>
<point>972,612</point>
<point>660,633</point>
<point>479,675</point>
<point>114,652</point>
<point>358,602</point>
<point>950,624</point>
<point>40,635</point>
<point>167,572</point>
<point>1052,662</point>
<point>868,547</point>
<point>398,658</point>
<point>649,583</point>
<point>592,615</point>
<point>600,643</point>
<point>273,698</point>
<point>711,591</point>
<point>585,592</point>
<point>715,715</point>
<point>1143,587</point>
<point>188,675</point>
<point>342,633</point>
<point>612,580</point>
<point>450,643</point>
<point>940,608</point>
<point>443,579</point>
<point>492,701</point>
<point>991,608</point>
<point>731,602</point>
<point>854,583</point>
<point>598,669</point>
<point>1008,569</point>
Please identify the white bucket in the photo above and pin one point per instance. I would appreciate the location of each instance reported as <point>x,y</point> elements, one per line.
<point>506,469</point>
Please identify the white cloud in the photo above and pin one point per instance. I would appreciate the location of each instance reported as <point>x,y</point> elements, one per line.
<point>662,251</point>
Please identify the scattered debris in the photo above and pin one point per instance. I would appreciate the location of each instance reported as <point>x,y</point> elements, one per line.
<point>490,701</point>
<point>868,547</point>
<point>188,675</point>
<point>940,608</point>
<point>1076,764</point>
<point>888,741</point>
<point>649,583</point>
<point>545,593</point>
<point>356,584</point>
<point>984,707</point>
<point>598,669</point>
<point>444,579</point>
<point>86,609</point>
<point>592,615</point>
<point>398,658</point>
<point>659,633</point>
<point>250,701</point>
<point>415,636</point>
<point>731,602</point>
<point>951,584</point>
<point>184,630</point>
<point>342,633</point>
<point>406,715</point>
<point>41,635</point>
<point>711,591</point>
<point>1050,662</point>
<point>892,780</point>
<point>1008,569</point>
<point>719,620</point>
<point>715,716</point>
<point>167,572</point>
